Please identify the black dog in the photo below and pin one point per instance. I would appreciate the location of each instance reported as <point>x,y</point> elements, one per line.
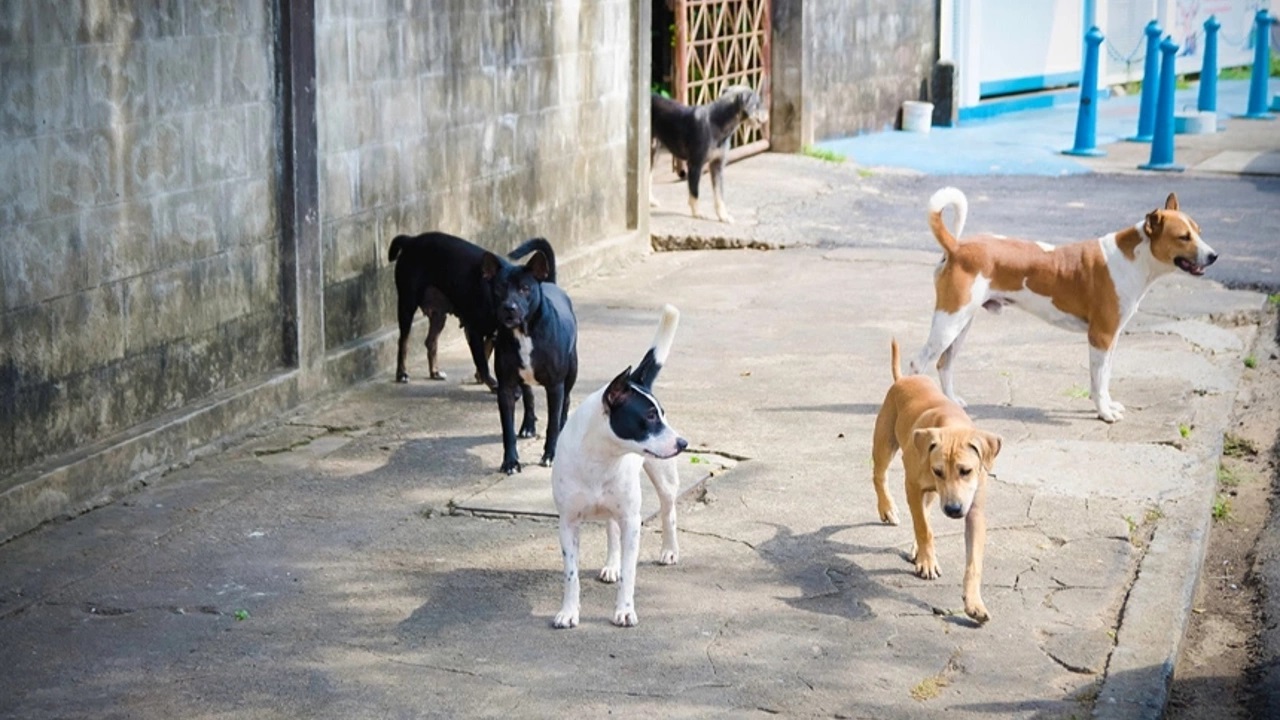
<point>700,136</point>
<point>441,275</point>
<point>537,341</point>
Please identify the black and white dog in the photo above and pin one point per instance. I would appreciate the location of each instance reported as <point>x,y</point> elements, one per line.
<point>440,274</point>
<point>700,136</point>
<point>617,431</point>
<point>536,341</point>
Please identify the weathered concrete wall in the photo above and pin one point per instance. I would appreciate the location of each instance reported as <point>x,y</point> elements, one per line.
<point>138,231</point>
<point>495,120</point>
<point>843,67</point>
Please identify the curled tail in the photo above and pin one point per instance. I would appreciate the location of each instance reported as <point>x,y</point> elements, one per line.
<point>647,371</point>
<point>539,245</point>
<point>948,196</point>
<point>397,244</point>
<point>897,360</point>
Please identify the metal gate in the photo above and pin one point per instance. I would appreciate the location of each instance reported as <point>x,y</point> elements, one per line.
<point>721,43</point>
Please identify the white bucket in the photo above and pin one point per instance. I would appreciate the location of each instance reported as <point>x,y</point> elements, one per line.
<point>917,116</point>
<point>1195,123</point>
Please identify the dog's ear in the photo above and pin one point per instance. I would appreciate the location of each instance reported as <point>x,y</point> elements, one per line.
<point>618,391</point>
<point>925,439</point>
<point>988,446</point>
<point>1152,225</point>
<point>489,266</point>
<point>538,266</point>
<point>1171,202</point>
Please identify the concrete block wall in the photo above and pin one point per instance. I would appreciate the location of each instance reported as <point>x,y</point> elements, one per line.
<point>868,57</point>
<point>138,227</point>
<point>495,120</point>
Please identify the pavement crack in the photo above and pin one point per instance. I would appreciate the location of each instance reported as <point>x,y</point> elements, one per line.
<point>1069,666</point>
<point>717,536</point>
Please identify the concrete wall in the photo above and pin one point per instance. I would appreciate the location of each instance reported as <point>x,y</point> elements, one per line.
<point>196,198</point>
<point>495,120</point>
<point>138,268</point>
<point>844,67</point>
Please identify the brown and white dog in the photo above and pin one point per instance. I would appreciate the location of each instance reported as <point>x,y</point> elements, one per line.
<point>1093,286</point>
<point>944,456</point>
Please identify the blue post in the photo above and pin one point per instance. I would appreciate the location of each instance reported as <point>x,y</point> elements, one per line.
<point>1162,141</point>
<point>1087,119</point>
<point>1150,84</point>
<point>1208,100</point>
<point>1261,68</point>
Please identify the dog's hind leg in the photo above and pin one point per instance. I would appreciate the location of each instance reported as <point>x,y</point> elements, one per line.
<point>666,480</point>
<point>884,447</point>
<point>943,332</point>
<point>568,615</point>
<point>436,319</point>
<point>405,310</point>
<point>946,374</point>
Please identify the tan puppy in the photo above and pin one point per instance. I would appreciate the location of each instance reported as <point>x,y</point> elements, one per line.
<point>1093,286</point>
<point>944,456</point>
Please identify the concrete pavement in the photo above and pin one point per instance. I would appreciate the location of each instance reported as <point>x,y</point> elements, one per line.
<point>364,558</point>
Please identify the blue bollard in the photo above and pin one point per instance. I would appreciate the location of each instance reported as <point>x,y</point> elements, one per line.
<point>1261,67</point>
<point>1150,85</point>
<point>1162,141</point>
<point>1087,119</point>
<point>1208,99</point>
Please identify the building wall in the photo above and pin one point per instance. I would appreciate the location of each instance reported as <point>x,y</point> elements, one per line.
<point>866,58</point>
<point>138,232</point>
<point>495,120</point>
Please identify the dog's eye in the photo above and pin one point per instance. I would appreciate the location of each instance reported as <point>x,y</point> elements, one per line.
<point>938,472</point>
<point>524,289</point>
<point>1185,238</point>
<point>651,416</point>
<point>964,472</point>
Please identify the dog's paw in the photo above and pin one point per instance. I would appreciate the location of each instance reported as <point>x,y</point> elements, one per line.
<point>926,565</point>
<point>487,382</point>
<point>402,377</point>
<point>439,375</point>
<point>547,459</point>
<point>609,574</point>
<point>977,611</point>
<point>726,218</point>
<point>888,512</point>
<point>1111,411</point>
<point>625,618</point>
<point>565,619</point>
<point>669,557</point>
<point>528,430</point>
<point>511,467</point>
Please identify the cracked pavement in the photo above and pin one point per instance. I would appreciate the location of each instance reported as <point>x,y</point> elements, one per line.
<point>323,568</point>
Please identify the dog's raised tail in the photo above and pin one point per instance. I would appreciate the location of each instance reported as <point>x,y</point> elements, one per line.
<point>897,360</point>
<point>396,244</point>
<point>541,245</point>
<point>647,371</point>
<point>941,200</point>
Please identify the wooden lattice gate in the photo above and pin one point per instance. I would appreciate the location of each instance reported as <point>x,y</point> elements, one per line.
<point>721,43</point>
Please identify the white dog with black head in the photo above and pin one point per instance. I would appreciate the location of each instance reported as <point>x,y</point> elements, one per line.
<point>616,432</point>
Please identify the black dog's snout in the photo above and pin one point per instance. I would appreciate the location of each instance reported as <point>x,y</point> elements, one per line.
<point>1212,257</point>
<point>953,510</point>
<point>681,444</point>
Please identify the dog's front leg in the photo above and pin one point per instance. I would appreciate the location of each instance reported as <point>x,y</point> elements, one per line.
<point>613,561</point>
<point>529,425</point>
<point>507,414</point>
<point>975,540</point>
<point>480,348</point>
<point>695,173</point>
<point>1100,384</point>
<point>717,184</point>
<point>666,480</point>
<point>922,555</point>
<point>568,615</point>
<point>555,406</point>
<point>624,612</point>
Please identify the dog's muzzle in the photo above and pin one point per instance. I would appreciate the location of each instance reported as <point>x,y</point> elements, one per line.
<point>680,445</point>
<point>1192,267</point>
<point>955,511</point>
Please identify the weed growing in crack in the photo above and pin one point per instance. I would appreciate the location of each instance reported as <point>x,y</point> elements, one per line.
<point>1184,430</point>
<point>1227,477</point>
<point>822,154</point>
<point>1250,362</point>
<point>1221,508</point>
<point>1077,392</point>
<point>1236,446</point>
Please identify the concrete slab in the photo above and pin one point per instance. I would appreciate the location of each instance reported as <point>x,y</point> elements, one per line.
<point>1243,163</point>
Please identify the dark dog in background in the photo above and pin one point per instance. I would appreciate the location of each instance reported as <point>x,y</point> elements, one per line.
<point>536,341</point>
<point>440,274</point>
<point>700,136</point>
